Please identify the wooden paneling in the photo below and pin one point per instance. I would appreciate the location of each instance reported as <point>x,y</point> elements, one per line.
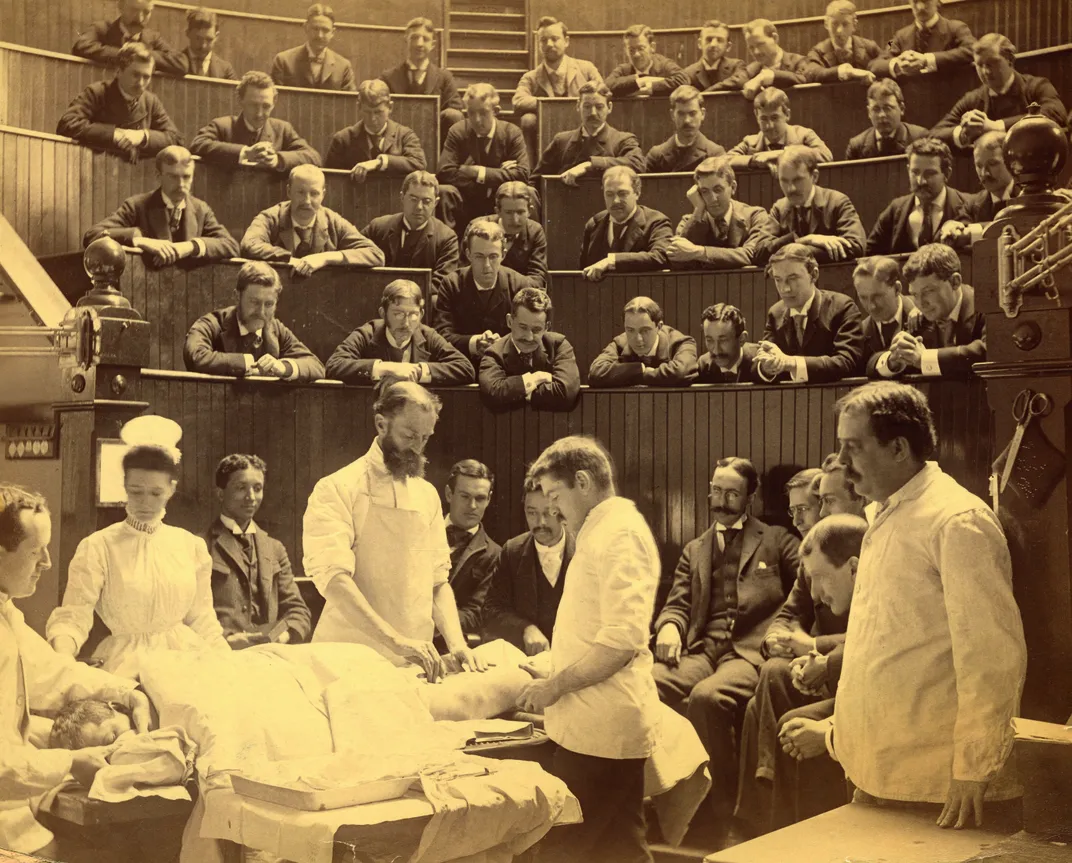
<point>385,12</point>
<point>39,86</point>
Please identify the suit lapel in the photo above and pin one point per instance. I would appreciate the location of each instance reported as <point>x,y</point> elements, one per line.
<point>270,335</point>
<point>232,339</point>
<point>527,589</point>
<point>229,548</point>
<point>394,238</point>
<point>320,231</point>
<point>736,229</point>
<point>634,230</point>
<point>390,136</point>
<point>286,229</point>
<point>477,544</point>
<point>902,222</point>
<point>962,332</point>
<point>813,319</point>
<point>420,347</point>
<point>158,219</point>
<point>703,589</point>
<point>265,571</point>
<point>750,540</point>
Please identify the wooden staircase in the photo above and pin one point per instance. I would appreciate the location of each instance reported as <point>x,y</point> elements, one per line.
<point>488,43</point>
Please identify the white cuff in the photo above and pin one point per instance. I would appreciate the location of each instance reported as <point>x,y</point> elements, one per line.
<point>613,258</point>
<point>761,367</point>
<point>932,63</point>
<point>293,366</point>
<point>928,363</point>
<point>799,372</point>
<point>843,73</point>
<point>251,363</point>
<point>883,365</point>
<point>199,247</point>
<point>426,373</point>
<point>382,158</point>
<point>830,738</point>
<point>376,370</point>
<point>956,136</point>
<point>528,379</point>
<point>481,174</point>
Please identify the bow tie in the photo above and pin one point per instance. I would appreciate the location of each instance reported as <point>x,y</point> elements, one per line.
<point>457,535</point>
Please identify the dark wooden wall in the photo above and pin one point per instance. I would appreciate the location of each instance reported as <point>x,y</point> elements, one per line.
<point>386,12</point>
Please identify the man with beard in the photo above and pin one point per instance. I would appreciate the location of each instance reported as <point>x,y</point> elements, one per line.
<point>729,354</point>
<point>375,543</point>
<point>715,70</point>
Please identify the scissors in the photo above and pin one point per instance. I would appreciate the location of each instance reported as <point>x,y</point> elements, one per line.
<point>1027,405</point>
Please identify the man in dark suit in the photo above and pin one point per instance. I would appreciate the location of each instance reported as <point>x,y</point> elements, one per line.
<point>480,154</point>
<point>989,158</point>
<point>523,601</point>
<point>715,71</point>
<point>823,219</point>
<point>470,311</point>
<point>761,149</point>
<point>474,556</point>
<point>952,335</point>
<point>417,75</point>
<point>1001,100</point>
<point>914,220</point>
<point>649,352</point>
<point>415,237</point>
<point>647,73</point>
<point>730,357</point>
<point>314,64</point>
<point>376,143</point>
<point>254,138</point>
<point>247,338</point>
<point>169,223</point>
<point>811,335</point>
<point>720,232</point>
<point>525,240</point>
<point>253,587</point>
<point>102,41</point>
<point>688,146</point>
<point>888,311</point>
<point>931,43</point>
<point>727,588</point>
<point>531,364</point>
<point>887,135</point>
<point>595,146</point>
<point>121,115</point>
<point>771,66</point>
<point>202,31</point>
<point>397,346</point>
<point>626,237</point>
<point>843,56</point>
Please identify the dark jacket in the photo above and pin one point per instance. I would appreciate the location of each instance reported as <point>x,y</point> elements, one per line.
<point>463,147</point>
<point>217,66</point>
<point>833,340</point>
<point>831,214</point>
<point>800,609</point>
<point>982,207</point>
<point>527,253</point>
<point>512,602</point>
<point>437,82</point>
<point>866,146</point>
<point>272,237</point>
<point>502,367</point>
<point>222,141</point>
<point>102,41</point>
<point>891,234</point>
<point>766,571</point>
<point>460,312</point>
<point>709,373</point>
<point>352,361</point>
<point>875,345</point>
<point>214,346</point>
<point>607,149</point>
<point>400,144</point>
<point>674,359</point>
<point>969,338</point>
<point>643,246</point>
<point>949,40</point>
<point>100,109</point>
<point>823,62</point>
<point>749,145</point>
<point>748,237</point>
<point>240,596</point>
<point>291,68</point>
<point>145,215</point>
<point>731,74</point>
<point>788,74</point>
<point>435,249</point>
<point>471,578</point>
<point>622,81</point>
<point>1010,107</point>
<point>669,158</point>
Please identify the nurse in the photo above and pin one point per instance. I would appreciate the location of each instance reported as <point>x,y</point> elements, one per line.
<point>376,547</point>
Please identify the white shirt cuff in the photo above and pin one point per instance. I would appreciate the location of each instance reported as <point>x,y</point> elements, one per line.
<point>481,174</point>
<point>382,158</point>
<point>426,373</point>
<point>929,362</point>
<point>376,369</point>
<point>199,247</point>
<point>956,136</point>
<point>613,258</point>
<point>528,379</point>
<point>251,363</point>
<point>763,373</point>
<point>883,365</point>
<point>799,372</point>
<point>932,63</point>
<point>830,738</point>
<point>293,369</point>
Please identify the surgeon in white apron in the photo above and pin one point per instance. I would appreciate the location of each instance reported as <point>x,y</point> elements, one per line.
<point>376,547</point>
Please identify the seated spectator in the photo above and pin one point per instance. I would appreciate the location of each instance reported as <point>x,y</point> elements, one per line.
<point>649,352</point>
<point>771,66</point>
<point>314,64</point>
<point>417,75</point>
<point>802,490</point>
<point>888,135</point>
<point>592,148</point>
<point>824,219</point>
<point>169,223</point>
<point>397,346</point>
<point>480,154</point>
<point>931,43</point>
<point>247,338</point>
<point>524,237</point>
<point>721,232</point>
<point>730,357</point>
<point>952,335</point>
<point>762,149</point>
<point>715,71</point>
<point>375,143</point>
<point>531,364</point>
<point>688,146</point>
<point>917,219</point>
<point>888,311</point>
<point>253,588</point>
<point>523,601</point>
<point>811,335</point>
<point>1001,100</point>
<point>844,56</point>
<point>647,73</point>
<point>626,237</point>
<point>254,138</point>
<point>304,233</point>
<point>102,41</point>
<point>202,31</point>
<point>558,75</point>
<point>415,238</point>
<point>122,115</point>
<point>989,158</point>
<point>470,311</point>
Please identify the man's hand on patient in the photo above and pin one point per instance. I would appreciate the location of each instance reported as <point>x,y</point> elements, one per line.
<point>134,700</point>
<point>422,653</point>
<point>467,660</point>
<point>535,640</point>
<point>965,797</point>
<point>537,696</point>
<point>242,640</point>
<point>86,762</point>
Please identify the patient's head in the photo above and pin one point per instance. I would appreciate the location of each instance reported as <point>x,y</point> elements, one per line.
<point>88,723</point>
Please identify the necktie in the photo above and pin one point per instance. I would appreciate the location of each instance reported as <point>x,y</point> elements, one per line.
<point>246,541</point>
<point>556,84</point>
<point>800,222</point>
<point>409,239</point>
<point>413,79</point>
<point>305,241</point>
<point>726,537</point>
<point>885,147</point>
<point>720,231</point>
<point>175,221</point>
<point>799,323</point>
<point>375,146</point>
<point>617,236</point>
<point>254,344</point>
<point>945,333</point>
<point>926,231</point>
<point>888,330</point>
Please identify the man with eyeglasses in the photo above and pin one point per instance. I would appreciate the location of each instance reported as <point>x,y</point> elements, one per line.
<point>727,588</point>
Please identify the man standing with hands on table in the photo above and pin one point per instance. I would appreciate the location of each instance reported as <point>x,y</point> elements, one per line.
<point>376,544</point>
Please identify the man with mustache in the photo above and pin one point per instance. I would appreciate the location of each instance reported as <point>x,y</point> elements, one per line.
<point>314,64</point>
<point>730,356</point>
<point>688,146</point>
<point>715,70</point>
<point>375,543</point>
